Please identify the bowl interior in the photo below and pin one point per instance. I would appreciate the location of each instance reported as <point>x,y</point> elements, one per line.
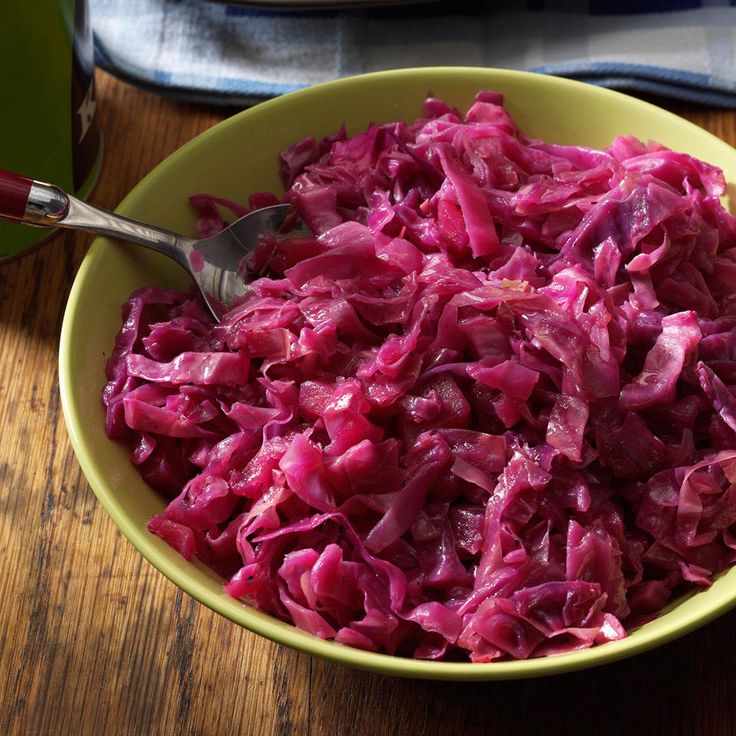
<point>239,156</point>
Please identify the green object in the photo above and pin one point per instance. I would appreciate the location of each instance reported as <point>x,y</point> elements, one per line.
<point>239,156</point>
<point>48,126</point>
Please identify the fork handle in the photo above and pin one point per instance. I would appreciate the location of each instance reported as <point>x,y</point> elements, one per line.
<point>31,202</point>
<point>14,191</point>
<point>39,204</point>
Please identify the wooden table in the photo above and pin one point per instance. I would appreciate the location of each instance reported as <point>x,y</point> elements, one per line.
<point>94,640</point>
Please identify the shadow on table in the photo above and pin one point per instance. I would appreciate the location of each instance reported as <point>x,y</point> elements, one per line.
<point>684,688</point>
<point>34,287</point>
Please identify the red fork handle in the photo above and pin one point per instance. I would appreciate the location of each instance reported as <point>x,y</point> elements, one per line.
<point>31,202</point>
<point>15,190</point>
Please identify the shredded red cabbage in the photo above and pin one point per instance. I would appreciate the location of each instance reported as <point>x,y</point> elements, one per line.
<point>487,411</point>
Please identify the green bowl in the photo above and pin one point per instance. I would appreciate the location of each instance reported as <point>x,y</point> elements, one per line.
<point>239,156</point>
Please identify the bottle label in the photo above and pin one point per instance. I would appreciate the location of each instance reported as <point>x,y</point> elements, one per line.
<point>85,128</point>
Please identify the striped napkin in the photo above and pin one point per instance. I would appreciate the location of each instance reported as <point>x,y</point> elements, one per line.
<point>232,55</point>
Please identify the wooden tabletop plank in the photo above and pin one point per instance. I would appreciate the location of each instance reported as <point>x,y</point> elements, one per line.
<point>96,641</point>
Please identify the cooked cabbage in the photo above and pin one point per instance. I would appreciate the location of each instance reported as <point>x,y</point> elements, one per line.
<point>486,412</point>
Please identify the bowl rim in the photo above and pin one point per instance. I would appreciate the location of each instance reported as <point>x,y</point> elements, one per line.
<point>268,626</point>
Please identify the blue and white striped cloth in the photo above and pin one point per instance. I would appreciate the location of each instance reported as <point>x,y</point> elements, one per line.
<point>227,54</point>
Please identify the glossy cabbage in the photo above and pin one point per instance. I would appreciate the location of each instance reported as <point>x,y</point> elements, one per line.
<point>486,412</point>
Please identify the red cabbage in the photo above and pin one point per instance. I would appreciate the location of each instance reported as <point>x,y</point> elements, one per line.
<point>487,412</point>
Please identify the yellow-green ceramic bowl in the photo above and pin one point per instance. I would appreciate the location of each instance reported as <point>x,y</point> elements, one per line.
<point>239,156</point>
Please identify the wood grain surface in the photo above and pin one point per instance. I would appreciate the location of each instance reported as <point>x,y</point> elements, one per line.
<point>93,640</point>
